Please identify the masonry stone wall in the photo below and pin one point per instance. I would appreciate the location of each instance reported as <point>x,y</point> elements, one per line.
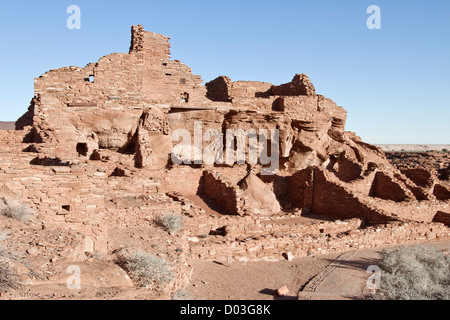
<point>301,188</point>
<point>273,248</point>
<point>385,188</point>
<point>84,198</point>
<point>227,195</point>
<point>240,228</point>
<point>330,199</point>
<point>184,180</point>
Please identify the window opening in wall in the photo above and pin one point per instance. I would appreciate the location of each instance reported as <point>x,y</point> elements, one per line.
<point>91,79</point>
<point>185,97</point>
<point>82,149</point>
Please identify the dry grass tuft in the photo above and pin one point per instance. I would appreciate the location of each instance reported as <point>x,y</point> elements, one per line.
<point>17,210</point>
<point>171,222</point>
<point>415,273</point>
<point>147,270</point>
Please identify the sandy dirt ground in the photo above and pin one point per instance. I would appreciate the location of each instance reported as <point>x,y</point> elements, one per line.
<point>327,277</point>
<point>254,280</point>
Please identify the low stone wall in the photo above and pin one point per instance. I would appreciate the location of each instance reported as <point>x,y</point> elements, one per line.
<point>249,226</point>
<point>272,248</point>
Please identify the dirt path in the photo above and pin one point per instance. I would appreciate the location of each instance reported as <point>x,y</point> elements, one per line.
<point>346,278</point>
<point>328,277</point>
<point>253,280</point>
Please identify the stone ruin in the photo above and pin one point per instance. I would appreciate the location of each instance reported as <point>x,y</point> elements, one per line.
<point>92,156</point>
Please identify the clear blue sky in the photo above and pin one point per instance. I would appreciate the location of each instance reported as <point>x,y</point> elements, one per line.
<point>394,82</point>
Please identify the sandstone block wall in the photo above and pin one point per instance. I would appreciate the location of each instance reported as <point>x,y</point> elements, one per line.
<point>385,188</point>
<point>301,186</point>
<point>332,199</point>
<point>227,195</point>
<point>184,180</point>
<point>302,245</point>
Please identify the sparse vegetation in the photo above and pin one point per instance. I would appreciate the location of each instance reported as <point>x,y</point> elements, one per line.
<point>171,222</point>
<point>8,278</point>
<point>15,209</point>
<point>445,150</point>
<point>147,270</point>
<point>414,273</point>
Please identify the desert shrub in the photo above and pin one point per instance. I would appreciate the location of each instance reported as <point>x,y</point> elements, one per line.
<point>147,270</point>
<point>415,273</point>
<point>171,222</point>
<point>8,278</point>
<point>16,210</point>
<point>181,295</point>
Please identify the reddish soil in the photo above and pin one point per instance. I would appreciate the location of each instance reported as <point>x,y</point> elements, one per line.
<point>254,280</point>
<point>333,276</point>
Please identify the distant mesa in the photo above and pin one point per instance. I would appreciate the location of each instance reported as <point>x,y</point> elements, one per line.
<point>7,125</point>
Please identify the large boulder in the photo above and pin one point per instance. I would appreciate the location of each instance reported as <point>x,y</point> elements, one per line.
<point>261,199</point>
